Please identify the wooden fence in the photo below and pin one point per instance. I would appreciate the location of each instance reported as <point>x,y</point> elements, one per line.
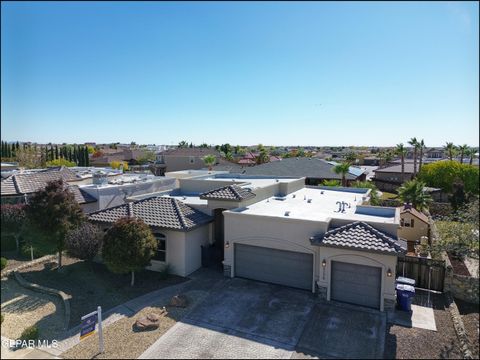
<point>428,273</point>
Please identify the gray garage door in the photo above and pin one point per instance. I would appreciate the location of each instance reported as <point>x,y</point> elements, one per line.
<point>356,284</point>
<point>274,266</point>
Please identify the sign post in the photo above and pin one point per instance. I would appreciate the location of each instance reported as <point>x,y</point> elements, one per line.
<point>87,327</point>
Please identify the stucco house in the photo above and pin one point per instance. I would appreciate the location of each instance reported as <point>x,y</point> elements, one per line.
<point>390,177</point>
<point>325,240</point>
<point>413,225</point>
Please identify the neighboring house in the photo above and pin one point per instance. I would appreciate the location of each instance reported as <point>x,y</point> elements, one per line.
<point>187,158</point>
<point>413,225</point>
<point>277,230</point>
<point>313,169</point>
<point>390,177</point>
<point>128,155</point>
<point>18,187</point>
<point>435,153</point>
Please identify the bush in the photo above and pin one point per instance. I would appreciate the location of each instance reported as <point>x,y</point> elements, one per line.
<point>30,333</point>
<point>84,242</point>
<point>443,174</point>
<point>3,263</point>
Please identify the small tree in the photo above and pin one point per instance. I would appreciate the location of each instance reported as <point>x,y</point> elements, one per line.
<point>413,192</point>
<point>331,183</point>
<point>119,164</point>
<point>374,197</point>
<point>54,212</point>
<point>13,219</point>
<point>60,162</point>
<point>128,246</point>
<point>342,169</point>
<point>84,242</point>
<point>209,160</point>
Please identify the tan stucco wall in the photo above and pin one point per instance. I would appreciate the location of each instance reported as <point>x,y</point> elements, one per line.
<point>412,234</point>
<point>273,232</point>
<point>176,163</point>
<point>193,251</point>
<point>362,258</point>
<point>175,245</point>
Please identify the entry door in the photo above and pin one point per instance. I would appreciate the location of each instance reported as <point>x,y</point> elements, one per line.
<point>356,284</point>
<point>275,266</point>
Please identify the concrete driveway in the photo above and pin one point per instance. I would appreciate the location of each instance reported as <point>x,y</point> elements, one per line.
<point>343,331</point>
<point>248,319</point>
<point>242,319</point>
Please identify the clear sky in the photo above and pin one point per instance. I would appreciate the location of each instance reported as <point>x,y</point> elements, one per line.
<point>244,73</point>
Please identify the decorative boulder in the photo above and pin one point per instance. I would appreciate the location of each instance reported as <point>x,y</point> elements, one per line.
<point>179,301</point>
<point>150,322</point>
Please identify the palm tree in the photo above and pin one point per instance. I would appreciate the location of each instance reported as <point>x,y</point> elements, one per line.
<point>412,192</point>
<point>209,160</point>
<point>472,154</point>
<point>463,149</point>
<point>450,148</point>
<point>342,169</point>
<point>401,151</point>
<point>414,142</point>
<point>422,147</point>
<point>262,157</point>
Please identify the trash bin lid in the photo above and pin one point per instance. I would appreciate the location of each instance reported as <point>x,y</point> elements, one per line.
<point>405,280</point>
<point>405,287</point>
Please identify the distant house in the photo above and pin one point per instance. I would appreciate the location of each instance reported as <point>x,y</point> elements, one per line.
<point>390,178</point>
<point>413,225</point>
<point>109,155</point>
<point>313,169</point>
<point>435,153</point>
<point>187,158</point>
<point>18,187</point>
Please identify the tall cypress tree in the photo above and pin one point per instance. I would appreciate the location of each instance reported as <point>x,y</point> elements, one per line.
<point>56,152</point>
<point>81,159</point>
<point>75,155</point>
<point>87,160</point>
<point>52,155</point>
<point>70,154</point>
<point>2,150</point>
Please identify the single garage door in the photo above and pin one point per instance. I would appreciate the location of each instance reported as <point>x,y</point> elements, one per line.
<point>274,266</point>
<point>356,284</point>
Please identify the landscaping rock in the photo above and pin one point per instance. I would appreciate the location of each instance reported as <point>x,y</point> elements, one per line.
<point>149,322</point>
<point>179,301</point>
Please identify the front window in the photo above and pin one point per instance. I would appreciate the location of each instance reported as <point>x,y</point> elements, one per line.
<point>161,252</point>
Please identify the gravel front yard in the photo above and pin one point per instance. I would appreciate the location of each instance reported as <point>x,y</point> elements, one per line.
<point>92,284</point>
<point>121,342</point>
<point>23,308</point>
<point>469,314</point>
<point>412,343</point>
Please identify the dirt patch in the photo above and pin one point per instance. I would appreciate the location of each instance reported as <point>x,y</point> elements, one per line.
<point>458,266</point>
<point>469,314</point>
<point>14,260</point>
<point>91,284</point>
<point>412,343</point>
<point>23,308</point>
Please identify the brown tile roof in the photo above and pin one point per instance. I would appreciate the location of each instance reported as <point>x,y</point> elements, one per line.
<point>191,152</point>
<point>229,192</point>
<point>161,212</point>
<point>397,168</point>
<point>359,236</point>
<point>415,213</point>
<point>27,183</point>
<point>81,196</point>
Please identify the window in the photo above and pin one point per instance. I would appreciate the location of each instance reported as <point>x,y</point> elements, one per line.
<point>161,253</point>
<point>411,223</point>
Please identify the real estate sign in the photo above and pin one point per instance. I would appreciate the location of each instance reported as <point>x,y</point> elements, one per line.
<point>87,327</point>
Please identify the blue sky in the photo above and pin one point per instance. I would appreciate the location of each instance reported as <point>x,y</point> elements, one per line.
<point>244,73</point>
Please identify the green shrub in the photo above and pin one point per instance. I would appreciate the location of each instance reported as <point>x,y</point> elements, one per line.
<point>8,242</point>
<point>30,333</point>
<point>3,263</point>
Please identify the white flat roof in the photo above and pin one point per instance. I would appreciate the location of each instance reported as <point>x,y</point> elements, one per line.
<point>251,182</point>
<point>188,199</point>
<point>323,206</point>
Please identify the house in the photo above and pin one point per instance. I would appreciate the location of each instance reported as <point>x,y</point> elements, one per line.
<point>187,158</point>
<point>315,170</point>
<point>435,153</point>
<point>275,229</point>
<point>413,225</point>
<point>18,187</point>
<point>390,177</point>
<point>109,155</point>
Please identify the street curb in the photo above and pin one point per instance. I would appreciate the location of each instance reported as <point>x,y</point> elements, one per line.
<point>459,326</point>
<point>49,291</point>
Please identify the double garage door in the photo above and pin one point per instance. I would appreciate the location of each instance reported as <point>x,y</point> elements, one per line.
<point>274,266</point>
<point>356,284</point>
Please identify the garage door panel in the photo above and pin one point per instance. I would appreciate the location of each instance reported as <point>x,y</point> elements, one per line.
<point>275,266</point>
<point>356,284</point>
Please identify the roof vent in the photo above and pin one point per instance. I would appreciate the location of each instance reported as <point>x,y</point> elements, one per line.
<point>321,192</point>
<point>287,213</point>
<point>304,197</point>
<point>309,201</point>
<point>276,180</point>
<point>294,196</point>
